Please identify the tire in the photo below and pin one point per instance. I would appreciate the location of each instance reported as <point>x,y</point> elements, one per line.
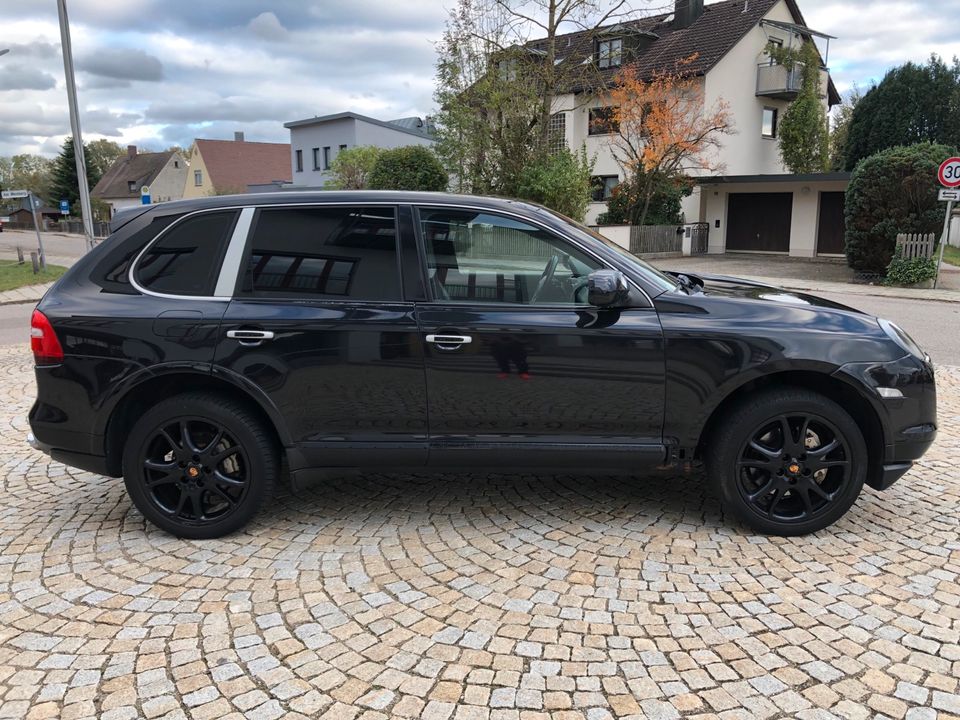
<point>208,481</point>
<point>792,486</point>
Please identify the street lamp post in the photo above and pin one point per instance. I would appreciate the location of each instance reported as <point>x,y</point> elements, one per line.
<point>78,155</point>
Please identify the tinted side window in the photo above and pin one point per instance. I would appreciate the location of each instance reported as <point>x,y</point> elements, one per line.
<point>112,272</point>
<point>481,257</point>
<point>334,253</point>
<point>186,259</point>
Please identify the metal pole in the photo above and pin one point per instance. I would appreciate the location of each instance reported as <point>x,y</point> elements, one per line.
<point>944,239</point>
<point>85,210</point>
<point>36,226</point>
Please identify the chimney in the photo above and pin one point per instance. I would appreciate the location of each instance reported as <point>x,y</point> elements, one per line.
<point>686,13</point>
<point>131,151</point>
<point>238,136</point>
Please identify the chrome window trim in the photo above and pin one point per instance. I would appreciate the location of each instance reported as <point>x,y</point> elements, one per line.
<point>230,267</point>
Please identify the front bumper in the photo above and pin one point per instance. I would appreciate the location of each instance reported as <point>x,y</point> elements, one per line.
<point>903,394</point>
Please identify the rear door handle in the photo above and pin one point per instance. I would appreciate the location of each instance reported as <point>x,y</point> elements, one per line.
<point>449,342</point>
<point>250,337</point>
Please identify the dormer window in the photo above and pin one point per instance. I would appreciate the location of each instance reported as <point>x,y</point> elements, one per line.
<point>609,53</point>
<point>131,186</point>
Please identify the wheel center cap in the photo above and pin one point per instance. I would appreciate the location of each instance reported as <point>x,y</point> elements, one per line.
<point>193,472</point>
<point>793,468</point>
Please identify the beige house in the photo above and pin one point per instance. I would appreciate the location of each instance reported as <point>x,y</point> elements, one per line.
<point>161,175</point>
<point>729,42</point>
<point>226,167</point>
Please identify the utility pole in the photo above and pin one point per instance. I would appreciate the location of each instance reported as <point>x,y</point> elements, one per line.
<point>78,154</point>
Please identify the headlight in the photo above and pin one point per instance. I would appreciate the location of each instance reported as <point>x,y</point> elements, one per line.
<point>900,337</point>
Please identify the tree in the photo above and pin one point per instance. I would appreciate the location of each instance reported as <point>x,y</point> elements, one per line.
<point>663,130</point>
<point>894,191</point>
<point>26,172</point>
<point>500,71</point>
<point>100,155</point>
<point>560,181</point>
<point>804,128</point>
<point>841,129</point>
<point>912,104</point>
<point>413,167</point>
<point>64,184</point>
<point>351,168</point>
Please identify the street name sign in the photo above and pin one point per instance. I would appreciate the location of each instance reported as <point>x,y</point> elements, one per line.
<point>13,194</point>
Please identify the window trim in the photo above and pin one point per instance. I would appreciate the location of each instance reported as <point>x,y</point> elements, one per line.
<point>298,160</point>
<point>610,65</point>
<point>238,234</point>
<point>603,178</point>
<point>421,243</point>
<point>316,158</point>
<point>776,122</point>
<point>198,174</point>
<point>326,158</point>
<point>590,126</point>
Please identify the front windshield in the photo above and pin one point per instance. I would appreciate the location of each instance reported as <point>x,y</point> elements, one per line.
<point>663,281</point>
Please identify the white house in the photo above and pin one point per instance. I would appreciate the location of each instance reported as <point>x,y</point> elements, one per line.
<point>315,142</point>
<point>162,173</point>
<point>755,205</point>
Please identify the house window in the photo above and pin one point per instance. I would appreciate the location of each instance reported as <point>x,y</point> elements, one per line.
<point>176,163</point>
<point>298,156</point>
<point>609,53</point>
<point>342,148</point>
<point>198,178</point>
<point>602,121</point>
<point>326,158</point>
<point>769,122</point>
<point>773,43</point>
<point>602,187</point>
<point>131,185</point>
<point>508,70</point>
<point>558,132</point>
<point>316,158</point>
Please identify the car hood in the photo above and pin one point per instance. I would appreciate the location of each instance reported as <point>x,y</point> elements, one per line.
<point>734,287</point>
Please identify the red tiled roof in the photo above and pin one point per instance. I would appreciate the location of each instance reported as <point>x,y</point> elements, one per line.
<point>232,165</point>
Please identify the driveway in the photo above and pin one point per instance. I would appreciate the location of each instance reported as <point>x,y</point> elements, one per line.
<point>475,596</point>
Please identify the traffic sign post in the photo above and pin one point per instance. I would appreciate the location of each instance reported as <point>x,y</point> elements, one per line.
<point>145,195</point>
<point>64,207</point>
<point>14,194</point>
<point>34,203</point>
<point>949,177</point>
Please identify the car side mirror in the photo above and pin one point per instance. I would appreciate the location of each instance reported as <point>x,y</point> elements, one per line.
<point>607,288</point>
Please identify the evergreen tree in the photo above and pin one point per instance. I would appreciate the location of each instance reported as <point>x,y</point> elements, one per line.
<point>63,183</point>
<point>913,104</point>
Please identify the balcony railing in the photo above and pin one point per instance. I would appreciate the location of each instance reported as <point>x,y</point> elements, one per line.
<point>777,81</point>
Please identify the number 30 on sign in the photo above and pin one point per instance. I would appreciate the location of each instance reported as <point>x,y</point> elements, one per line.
<point>950,173</point>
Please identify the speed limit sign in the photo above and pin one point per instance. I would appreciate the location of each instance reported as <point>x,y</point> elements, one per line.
<point>950,173</point>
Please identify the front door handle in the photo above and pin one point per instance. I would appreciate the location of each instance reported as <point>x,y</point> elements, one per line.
<point>250,338</point>
<point>449,342</point>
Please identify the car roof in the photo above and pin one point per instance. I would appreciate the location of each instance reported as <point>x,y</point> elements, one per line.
<point>289,197</point>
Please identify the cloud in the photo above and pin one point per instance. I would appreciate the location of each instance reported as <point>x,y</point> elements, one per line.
<point>23,77</point>
<point>266,26</point>
<point>122,64</point>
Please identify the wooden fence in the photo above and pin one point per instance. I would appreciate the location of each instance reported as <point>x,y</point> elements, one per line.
<point>917,245</point>
<point>654,239</point>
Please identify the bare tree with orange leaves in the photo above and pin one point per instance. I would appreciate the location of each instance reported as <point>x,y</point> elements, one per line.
<point>662,131</point>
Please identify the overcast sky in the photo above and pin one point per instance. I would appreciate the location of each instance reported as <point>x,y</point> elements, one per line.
<point>162,72</point>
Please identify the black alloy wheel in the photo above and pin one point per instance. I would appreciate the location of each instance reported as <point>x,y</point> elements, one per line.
<point>787,461</point>
<point>199,466</point>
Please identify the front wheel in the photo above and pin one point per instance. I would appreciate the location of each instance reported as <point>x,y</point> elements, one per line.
<point>199,466</point>
<point>788,461</point>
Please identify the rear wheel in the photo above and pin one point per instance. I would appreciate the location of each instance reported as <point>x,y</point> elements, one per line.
<point>199,466</point>
<point>788,461</point>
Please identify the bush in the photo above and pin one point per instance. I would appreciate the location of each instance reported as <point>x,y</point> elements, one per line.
<point>351,168</point>
<point>413,167</point>
<point>892,192</point>
<point>560,181</point>
<point>626,204</point>
<point>901,271</point>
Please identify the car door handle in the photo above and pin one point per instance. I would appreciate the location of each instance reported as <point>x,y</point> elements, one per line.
<point>449,342</point>
<point>250,337</point>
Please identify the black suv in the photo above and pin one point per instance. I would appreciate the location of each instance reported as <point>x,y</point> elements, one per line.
<point>209,343</point>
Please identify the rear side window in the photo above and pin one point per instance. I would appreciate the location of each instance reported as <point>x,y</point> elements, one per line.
<point>335,253</point>
<point>112,272</point>
<point>186,259</point>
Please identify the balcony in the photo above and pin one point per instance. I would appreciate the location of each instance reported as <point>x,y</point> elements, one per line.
<point>781,83</point>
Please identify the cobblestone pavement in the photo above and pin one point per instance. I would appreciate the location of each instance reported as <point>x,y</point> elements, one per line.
<point>475,597</point>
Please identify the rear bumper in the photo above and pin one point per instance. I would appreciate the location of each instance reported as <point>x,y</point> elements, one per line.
<point>83,461</point>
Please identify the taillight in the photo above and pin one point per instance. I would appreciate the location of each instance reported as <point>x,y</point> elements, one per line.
<point>43,341</point>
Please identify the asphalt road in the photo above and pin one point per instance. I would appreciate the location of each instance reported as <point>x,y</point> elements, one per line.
<point>935,325</point>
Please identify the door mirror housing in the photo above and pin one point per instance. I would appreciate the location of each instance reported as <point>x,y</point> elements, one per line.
<point>607,288</point>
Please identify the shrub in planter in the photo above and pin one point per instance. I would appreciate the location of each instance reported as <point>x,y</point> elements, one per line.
<point>892,192</point>
<point>902,271</point>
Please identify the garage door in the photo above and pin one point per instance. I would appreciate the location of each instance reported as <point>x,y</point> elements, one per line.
<point>832,226</point>
<point>759,222</point>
